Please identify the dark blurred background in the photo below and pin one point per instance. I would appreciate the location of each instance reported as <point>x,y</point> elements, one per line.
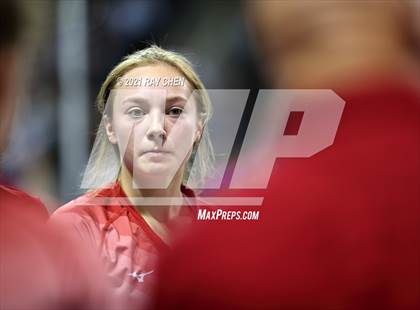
<point>72,45</point>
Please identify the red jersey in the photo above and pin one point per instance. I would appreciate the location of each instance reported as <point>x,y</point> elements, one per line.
<point>129,247</point>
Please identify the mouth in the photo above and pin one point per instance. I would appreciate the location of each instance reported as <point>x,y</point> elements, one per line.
<point>155,152</point>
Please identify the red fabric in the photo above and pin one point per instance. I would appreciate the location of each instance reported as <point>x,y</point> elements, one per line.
<point>19,201</point>
<point>339,230</point>
<point>40,268</point>
<point>123,238</point>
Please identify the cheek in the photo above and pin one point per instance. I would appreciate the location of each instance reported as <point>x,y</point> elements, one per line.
<point>182,137</point>
<point>130,138</point>
<point>183,132</point>
<point>184,128</point>
<point>124,134</point>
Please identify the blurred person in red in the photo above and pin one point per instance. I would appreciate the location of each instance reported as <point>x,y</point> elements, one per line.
<point>40,267</point>
<point>339,230</point>
<point>10,61</point>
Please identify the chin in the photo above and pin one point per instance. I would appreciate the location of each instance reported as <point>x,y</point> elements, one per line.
<point>158,167</point>
<point>153,182</point>
<point>154,176</point>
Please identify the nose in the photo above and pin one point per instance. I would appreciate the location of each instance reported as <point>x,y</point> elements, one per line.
<point>156,131</point>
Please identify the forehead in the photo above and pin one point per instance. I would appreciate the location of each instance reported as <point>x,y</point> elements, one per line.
<point>154,76</point>
<point>155,81</point>
<point>157,69</point>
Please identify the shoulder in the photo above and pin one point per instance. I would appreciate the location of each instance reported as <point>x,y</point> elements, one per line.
<point>18,200</point>
<point>92,207</point>
<point>83,208</point>
<point>79,218</point>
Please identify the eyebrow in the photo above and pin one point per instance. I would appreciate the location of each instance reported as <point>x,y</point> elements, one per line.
<point>135,99</point>
<point>141,100</point>
<point>175,98</point>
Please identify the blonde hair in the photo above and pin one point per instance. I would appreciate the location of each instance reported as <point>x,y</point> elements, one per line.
<point>102,163</point>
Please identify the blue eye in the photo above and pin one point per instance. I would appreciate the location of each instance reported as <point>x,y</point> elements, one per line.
<point>136,112</point>
<point>175,111</point>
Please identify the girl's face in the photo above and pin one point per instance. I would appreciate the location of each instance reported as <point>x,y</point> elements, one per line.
<point>154,123</point>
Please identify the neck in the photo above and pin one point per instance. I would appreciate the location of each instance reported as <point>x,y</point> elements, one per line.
<point>160,213</point>
<point>126,181</point>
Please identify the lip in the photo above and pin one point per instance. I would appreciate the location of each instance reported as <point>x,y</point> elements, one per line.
<point>155,152</point>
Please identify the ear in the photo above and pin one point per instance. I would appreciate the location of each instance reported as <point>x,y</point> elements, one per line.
<point>199,132</point>
<point>109,129</point>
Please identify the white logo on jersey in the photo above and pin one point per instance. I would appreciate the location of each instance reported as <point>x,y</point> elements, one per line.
<point>139,276</point>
